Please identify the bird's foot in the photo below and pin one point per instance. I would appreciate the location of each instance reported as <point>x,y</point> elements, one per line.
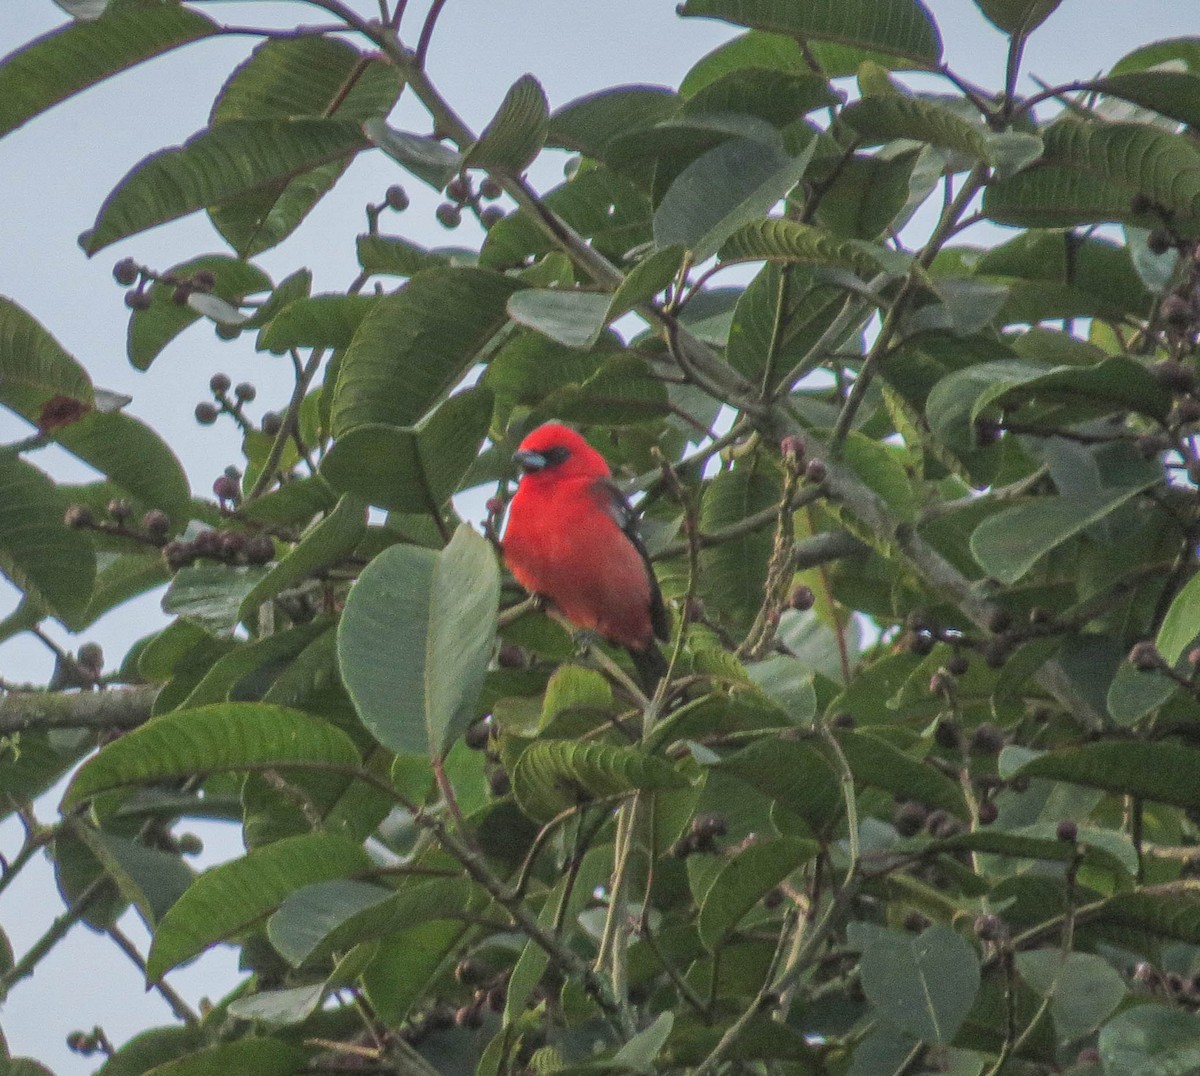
<point>586,640</point>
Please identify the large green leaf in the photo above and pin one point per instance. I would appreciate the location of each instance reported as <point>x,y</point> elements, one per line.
<point>34,367</point>
<point>413,469</point>
<point>234,896</point>
<point>425,157</point>
<point>1017,16</point>
<point>1009,543</point>
<point>730,185</point>
<point>38,552</point>
<point>1083,989</point>
<point>1172,93</point>
<point>794,775</point>
<point>777,239</point>
<point>1181,625</point>
<point>1173,51</point>
<point>899,27</point>
<point>215,166</point>
<point>924,984</point>
<point>415,639</point>
<point>260,1056</point>
<point>570,317</point>
<point>1154,771</point>
<point>1149,1040</point>
<point>589,123</point>
<point>65,61</point>
<point>744,880</point>
<point>874,761</point>
<point>211,594</point>
<point>516,134</point>
<point>622,392</point>
<point>415,344</point>
<point>226,736</point>
<point>887,117</point>
<point>553,775</point>
<point>328,321</point>
<point>118,579</point>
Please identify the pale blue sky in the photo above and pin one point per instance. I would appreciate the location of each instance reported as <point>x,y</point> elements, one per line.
<point>56,170</point>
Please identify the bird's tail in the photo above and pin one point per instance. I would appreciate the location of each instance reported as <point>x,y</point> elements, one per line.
<point>651,666</point>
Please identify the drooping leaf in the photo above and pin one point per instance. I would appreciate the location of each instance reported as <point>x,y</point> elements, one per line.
<point>211,594</point>
<point>573,318</point>
<point>1172,93</point>
<point>780,240</point>
<point>728,186</point>
<point>415,344</point>
<point>516,134</point>
<point>880,119</point>
<point>589,123</point>
<point>215,166</point>
<point>743,882</point>
<point>622,392</point>
<point>1017,16</point>
<point>794,775</point>
<point>65,61</point>
<point>38,552</point>
<point>899,27</point>
<point>415,639</point>
<point>279,1008</point>
<point>1153,771</point>
<point>413,469</point>
<point>229,898</point>
<point>426,158</point>
<point>262,1056</point>
<point>874,761</point>
<point>1151,1039</point>
<point>924,984</point>
<point>34,367</point>
<point>1181,625</point>
<point>393,255</point>
<point>328,321</point>
<point>553,775</point>
<point>226,736</point>
<point>1084,989</point>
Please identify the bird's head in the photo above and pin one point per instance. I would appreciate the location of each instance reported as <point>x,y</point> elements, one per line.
<point>558,451</point>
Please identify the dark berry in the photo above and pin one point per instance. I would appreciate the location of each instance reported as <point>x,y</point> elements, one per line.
<point>958,665</point>
<point>920,643</point>
<point>816,471</point>
<point>946,735</point>
<point>181,294</point>
<point>119,509</point>
<point>499,783</point>
<point>178,555</point>
<point>468,1016</point>
<point>245,392</point>
<point>459,189</point>
<point>1019,784</point>
<point>918,620</point>
<point>1173,375</point>
<point>1187,410</point>
<point>987,432</point>
<point>490,216</point>
<point>78,516</point>
<point>988,813</point>
<point>708,826</point>
<point>189,844</point>
<point>227,332</point>
<point>204,280</point>
<point>137,299</point>
<point>219,383</point>
<point>1159,242</point>
<point>1177,312</point>
<point>156,523</point>
<point>792,448</point>
<point>125,272</point>
<point>990,928</point>
<point>226,488</point>
<point>448,215</point>
<point>233,544</point>
<point>260,549</point>
<point>396,197</point>
<point>996,651</point>
<point>476,736</point>
<point>207,543</point>
<point>802,599</point>
<point>915,922</point>
<point>272,423</point>
<point>469,973</point>
<point>773,898</point>
<point>997,620</point>
<point>497,996</point>
<point>909,818</point>
<point>941,683</point>
<point>843,720</point>
<point>987,739</point>
<point>490,189</point>
<point>511,657</point>
<point>206,413</point>
<point>1145,657</point>
<point>1141,203</point>
<point>1067,831</point>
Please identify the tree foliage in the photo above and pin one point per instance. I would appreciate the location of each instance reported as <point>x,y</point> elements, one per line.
<point>919,791</point>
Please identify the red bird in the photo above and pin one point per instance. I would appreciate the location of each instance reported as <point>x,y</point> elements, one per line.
<point>572,538</point>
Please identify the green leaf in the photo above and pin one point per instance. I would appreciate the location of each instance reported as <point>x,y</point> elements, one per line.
<point>234,896</point>
<point>215,166</point>
<point>119,578</point>
<point>743,882</point>
<point>778,97</point>
<point>279,1008</point>
<point>573,318</point>
<point>589,123</point>
<point>794,775</point>
<point>1169,911</point>
<point>1084,989</point>
<point>328,543</point>
<point>639,1052</point>
<point>1162,772</point>
<point>393,255</point>
<point>554,775</point>
<point>65,61</point>
<point>898,27</point>
<point>416,344</point>
<point>38,553</point>
<point>1175,94</point>
<point>874,761</point>
<point>1175,51</point>
<point>881,119</point>
<point>426,158</point>
<point>150,879</point>
<point>574,688</point>
<point>150,330</point>
<point>645,280</point>
<point>412,469</point>
<point>211,594</point>
<point>407,963</point>
<point>415,639</point>
<point>1181,625</point>
<point>622,392</point>
<point>730,185</point>
<point>1151,1039</point>
<point>1017,17</point>
<point>1009,543</point>
<point>263,1057</point>
<point>777,239</point>
<point>516,134</point>
<point>227,736</point>
<point>925,985</point>
<point>34,367</point>
<point>328,321</point>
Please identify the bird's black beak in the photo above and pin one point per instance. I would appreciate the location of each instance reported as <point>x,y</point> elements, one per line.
<point>530,462</point>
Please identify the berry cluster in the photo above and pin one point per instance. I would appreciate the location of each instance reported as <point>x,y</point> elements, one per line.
<point>136,277</point>
<point>229,547</point>
<point>152,529</point>
<point>701,836</point>
<point>460,195</point>
<point>207,412</point>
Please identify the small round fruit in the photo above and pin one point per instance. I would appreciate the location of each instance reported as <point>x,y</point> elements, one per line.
<point>206,413</point>
<point>219,383</point>
<point>125,272</point>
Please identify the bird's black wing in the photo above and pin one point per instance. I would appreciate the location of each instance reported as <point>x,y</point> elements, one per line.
<point>626,517</point>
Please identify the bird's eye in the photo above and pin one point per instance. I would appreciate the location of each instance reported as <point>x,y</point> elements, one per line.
<point>556,455</point>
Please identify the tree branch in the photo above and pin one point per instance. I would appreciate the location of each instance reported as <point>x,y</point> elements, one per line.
<point>119,710</point>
